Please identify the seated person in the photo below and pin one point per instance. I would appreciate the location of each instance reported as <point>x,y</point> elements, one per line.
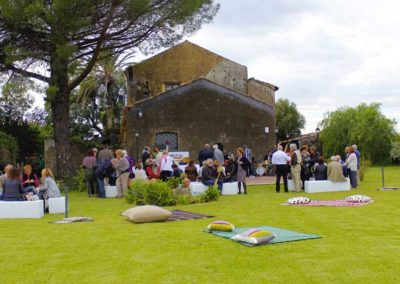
<point>220,171</point>
<point>335,170</point>
<point>209,175</point>
<point>49,188</point>
<point>29,180</point>
<point>321,170</point>
<point>3,177</point>
<point>229,171</point>
<point>139,172</point>
<point>149,171</point>
<point>176,171</point>
<point>12,186</point>
<point>202,166</point>
<point>191,171</point>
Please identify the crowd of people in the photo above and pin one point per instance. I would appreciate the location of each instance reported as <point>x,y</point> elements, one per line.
<point>306,163</point>
<point>215,167</point>
<point>17,186</point>
<point>118,168</point>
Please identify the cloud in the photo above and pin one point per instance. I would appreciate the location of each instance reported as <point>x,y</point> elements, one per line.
<point>322,54</point>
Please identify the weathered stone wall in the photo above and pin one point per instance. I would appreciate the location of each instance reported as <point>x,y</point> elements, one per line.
<point>6,157</point>
<point>204,113</point>
<point>77,156</point>
<point>229,74</point>
<point>183,64</point>
<point>261,91</point>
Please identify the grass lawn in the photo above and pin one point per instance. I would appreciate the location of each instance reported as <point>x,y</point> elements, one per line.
<point>358,244</point>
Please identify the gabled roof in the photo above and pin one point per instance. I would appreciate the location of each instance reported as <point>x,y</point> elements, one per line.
<point>186,42</point>
<point>207,85</point>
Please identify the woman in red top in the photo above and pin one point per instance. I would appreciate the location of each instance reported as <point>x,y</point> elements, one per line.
<point>29,180</point>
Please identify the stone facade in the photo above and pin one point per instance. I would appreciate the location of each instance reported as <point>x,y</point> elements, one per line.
<point>77,155</point>
<point>200,97</point>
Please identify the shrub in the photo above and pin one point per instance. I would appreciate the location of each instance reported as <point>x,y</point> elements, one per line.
<point>135,194</point>
<point>364,165</point>
<point>77,182</point>
<point>174,182</point>
<point>211,194</point>
<point>151,193</point>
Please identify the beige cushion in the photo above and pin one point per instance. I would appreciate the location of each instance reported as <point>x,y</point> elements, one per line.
<point>146,213</point>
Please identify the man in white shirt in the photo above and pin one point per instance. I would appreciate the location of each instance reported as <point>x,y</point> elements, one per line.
<point>280,160</point>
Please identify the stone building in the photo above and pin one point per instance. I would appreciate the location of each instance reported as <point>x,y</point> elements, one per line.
<point>187,96</point>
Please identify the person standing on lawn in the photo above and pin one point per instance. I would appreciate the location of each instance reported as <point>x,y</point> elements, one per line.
<point>242,168</point>
<point>89,164</point>
<point>358,155</point>
<point>280,161</point>
<point>295,162</point>
<point>121,165</point>
<point>351,163</point>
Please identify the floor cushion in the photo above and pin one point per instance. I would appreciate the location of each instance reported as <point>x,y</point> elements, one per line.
<point>298,200</point>
<point>358,198</point>
<point>254,236</point>
<point>146,214</point>
<point>220,226</point>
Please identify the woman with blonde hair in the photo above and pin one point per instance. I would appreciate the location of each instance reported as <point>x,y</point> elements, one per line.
<point>351,163</point>
<point>122,167</point>
<point>49,188</point>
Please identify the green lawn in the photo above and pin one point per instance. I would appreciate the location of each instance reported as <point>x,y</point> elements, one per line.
<point>358,244</point>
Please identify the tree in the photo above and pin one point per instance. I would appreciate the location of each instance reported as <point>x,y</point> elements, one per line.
<point>395,151</point>
<point>288,120</point>
<point>15,101</point>
<point>364,126</point>
<point>8,149</point>
<point>46,40</point>
<point>101,96</point>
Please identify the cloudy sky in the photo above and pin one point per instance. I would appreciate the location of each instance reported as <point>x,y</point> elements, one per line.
<point>322,54</point>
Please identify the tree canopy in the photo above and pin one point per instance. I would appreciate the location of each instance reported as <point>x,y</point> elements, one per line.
<point>47,40</point>
<point>365,125</point>
<point>288,120</point>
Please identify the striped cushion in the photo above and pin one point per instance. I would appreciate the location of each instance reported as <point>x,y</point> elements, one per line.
<point>298,200</point>
<point>220,226</point>
<point>358,198</point>
<point>254,236</point>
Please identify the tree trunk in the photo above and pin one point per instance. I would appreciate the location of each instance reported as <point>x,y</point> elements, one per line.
<point>59,100</point>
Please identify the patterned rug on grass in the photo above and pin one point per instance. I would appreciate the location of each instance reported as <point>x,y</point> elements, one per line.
<point>282,235</point>
<point>72,220</point>
<point>339,203</point>
<point>178,215</point>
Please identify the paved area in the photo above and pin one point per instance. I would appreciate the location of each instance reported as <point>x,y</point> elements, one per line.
<point>261,180</point>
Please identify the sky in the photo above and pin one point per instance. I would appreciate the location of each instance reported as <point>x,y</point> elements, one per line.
<point>322,54</point>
